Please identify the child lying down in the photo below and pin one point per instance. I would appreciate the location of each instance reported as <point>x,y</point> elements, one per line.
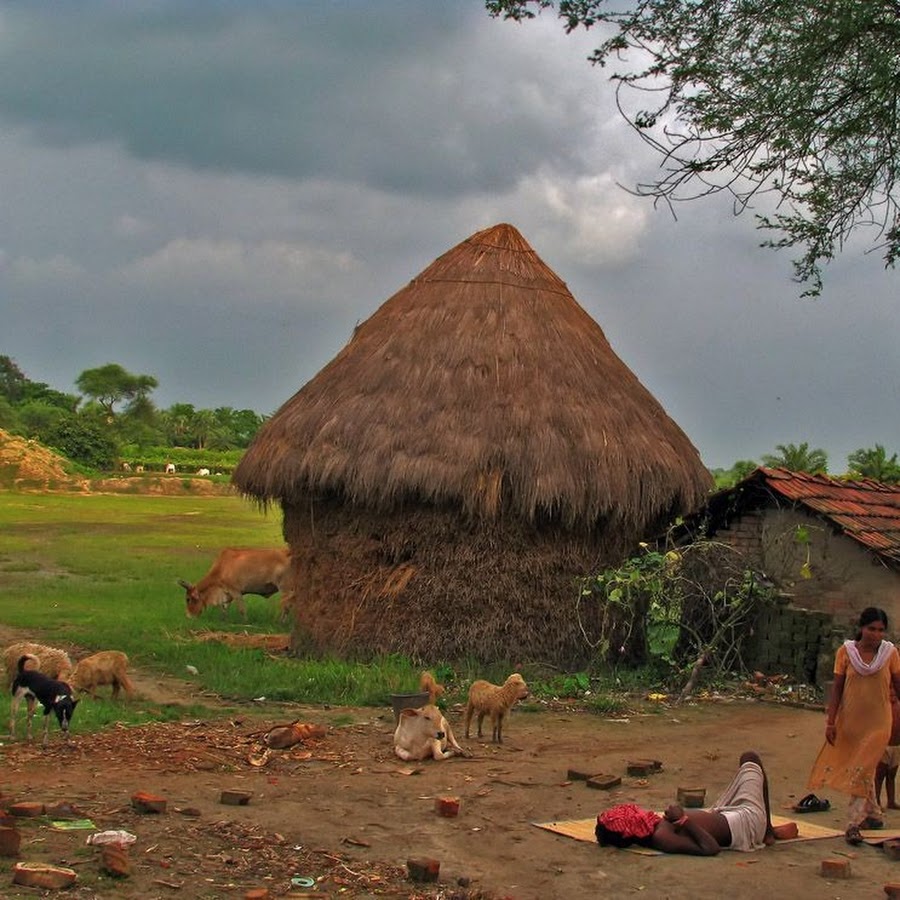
<point>739,820</point>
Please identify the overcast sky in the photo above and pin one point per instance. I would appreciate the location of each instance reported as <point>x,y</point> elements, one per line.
<point>215,194</point>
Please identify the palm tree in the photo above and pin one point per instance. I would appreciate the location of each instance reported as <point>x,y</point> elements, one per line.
<point>798,459</point>
<point>874,464</point>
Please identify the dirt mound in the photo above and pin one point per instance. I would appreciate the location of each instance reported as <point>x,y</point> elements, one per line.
<point>27,465</point>
<point>168,485</point>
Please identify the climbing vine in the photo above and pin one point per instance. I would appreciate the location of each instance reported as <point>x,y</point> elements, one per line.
<point>690,607</point>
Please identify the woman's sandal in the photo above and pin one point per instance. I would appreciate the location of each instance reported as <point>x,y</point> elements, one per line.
<point>852,835</point>
<point>811,803</point>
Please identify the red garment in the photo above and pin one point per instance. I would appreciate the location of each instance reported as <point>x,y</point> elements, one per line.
<point>629,820</point>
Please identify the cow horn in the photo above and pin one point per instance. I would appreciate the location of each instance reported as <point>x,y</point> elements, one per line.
<point>185,584</point>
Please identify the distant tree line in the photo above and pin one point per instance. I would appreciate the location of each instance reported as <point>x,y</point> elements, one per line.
<point>867,462</point>
<point>114,419</point>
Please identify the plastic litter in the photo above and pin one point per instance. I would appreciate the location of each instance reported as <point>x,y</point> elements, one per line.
<point>123,838</point>
<point>303,881</point>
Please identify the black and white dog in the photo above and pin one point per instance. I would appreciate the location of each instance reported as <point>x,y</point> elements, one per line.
<point>35,687</point>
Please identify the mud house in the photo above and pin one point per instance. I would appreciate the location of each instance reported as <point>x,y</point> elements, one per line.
<point>474,449</point>
<point>832,548</point>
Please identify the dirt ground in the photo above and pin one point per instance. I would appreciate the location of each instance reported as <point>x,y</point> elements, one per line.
<point>344,811</point>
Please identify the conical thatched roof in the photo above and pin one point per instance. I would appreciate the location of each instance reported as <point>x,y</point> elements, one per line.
<point>483,385</point>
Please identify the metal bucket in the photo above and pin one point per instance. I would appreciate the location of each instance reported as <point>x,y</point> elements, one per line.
<point>408,701</point>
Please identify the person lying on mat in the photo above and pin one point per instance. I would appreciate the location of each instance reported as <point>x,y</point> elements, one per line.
<point>739,820</point>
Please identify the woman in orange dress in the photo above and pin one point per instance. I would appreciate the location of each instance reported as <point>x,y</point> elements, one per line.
<point>858,726</point>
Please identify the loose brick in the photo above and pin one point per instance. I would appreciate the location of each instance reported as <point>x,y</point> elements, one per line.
<point>26,810</point>
<point>235,798</point>
<point>604,782</point>
<point>835,868</point>
<point>786,832</point>
<point>256,894</point>
<point>892,889</point>
<point>52,878</point>
<point>691,798</point>
<point>643,767</point>
<point>148,803</point>
<point>447,806</point>
<point>423,869</point>
<point>10,840</point>
<point>581,773</point>
<point>115,861</point>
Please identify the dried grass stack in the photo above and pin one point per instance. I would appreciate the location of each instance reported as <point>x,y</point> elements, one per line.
<point>475,447</point>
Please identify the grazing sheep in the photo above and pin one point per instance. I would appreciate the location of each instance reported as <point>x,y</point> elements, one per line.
<point>50,661</point>
<point>428,683</point>
<point>105,667</point>
<point>486,698</point>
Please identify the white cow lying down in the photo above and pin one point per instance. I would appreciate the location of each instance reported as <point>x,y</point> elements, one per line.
<point>424,733</point>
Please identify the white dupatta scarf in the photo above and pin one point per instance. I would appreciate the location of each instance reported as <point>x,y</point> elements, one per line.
<point>885,649</point>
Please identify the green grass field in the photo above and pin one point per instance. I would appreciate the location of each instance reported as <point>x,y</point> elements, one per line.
<point>101,571</point>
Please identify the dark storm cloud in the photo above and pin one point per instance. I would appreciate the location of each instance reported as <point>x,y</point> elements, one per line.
<point>268,89</point>
<point>217,193</point>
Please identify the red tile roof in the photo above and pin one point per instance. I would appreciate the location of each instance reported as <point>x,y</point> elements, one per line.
<point>866,511</point>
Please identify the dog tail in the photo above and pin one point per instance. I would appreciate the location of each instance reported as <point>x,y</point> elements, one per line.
<point>23,661</point>
<point>429,683</point>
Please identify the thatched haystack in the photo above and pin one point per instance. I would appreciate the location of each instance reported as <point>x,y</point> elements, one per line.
<point>474,449</point>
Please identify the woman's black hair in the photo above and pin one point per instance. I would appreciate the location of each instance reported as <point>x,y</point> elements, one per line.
<point>608,838</point>
<point>869,615</point>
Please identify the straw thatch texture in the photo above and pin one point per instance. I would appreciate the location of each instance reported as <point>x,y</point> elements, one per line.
<point>482,391</point>
<point>415,582</point>
<point>481,383</point>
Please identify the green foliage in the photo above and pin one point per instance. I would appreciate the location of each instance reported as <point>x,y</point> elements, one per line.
<point>798,458</point>
<point>726,478</point>
<point>101,571</point>
<point>628,596</point>
<point>9,418</point>
<point>39,419</point>
<point>570,686</point>
<point>685,605</point>
<point>111,384</point>
<point>185,460</point>
<point>82,441</point>
<point>795,98</point>
<point>138,433</point>
<point>874,464</point>
<point>607,704</point>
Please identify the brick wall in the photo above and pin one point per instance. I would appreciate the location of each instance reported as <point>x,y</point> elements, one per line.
<point>796,642</point>
<point>825,580</point>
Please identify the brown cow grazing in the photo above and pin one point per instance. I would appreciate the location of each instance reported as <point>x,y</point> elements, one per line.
<point>236,572</point>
